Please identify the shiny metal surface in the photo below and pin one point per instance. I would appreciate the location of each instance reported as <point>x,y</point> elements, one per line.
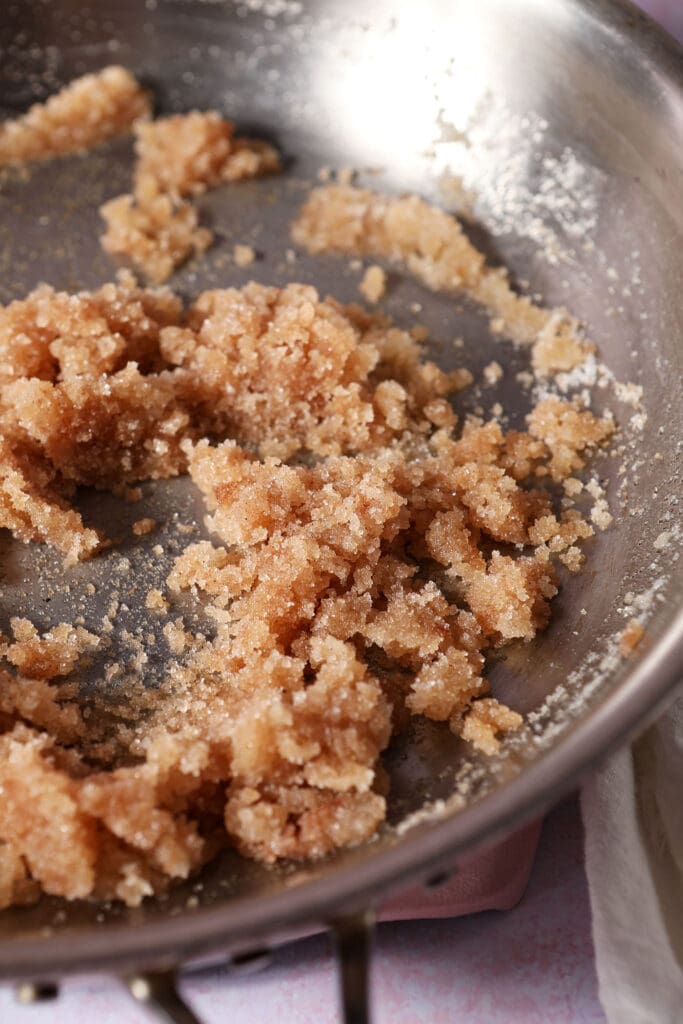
<point>572,114</point>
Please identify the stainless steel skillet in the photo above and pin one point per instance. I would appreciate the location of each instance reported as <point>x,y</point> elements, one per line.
<point>567,119</point>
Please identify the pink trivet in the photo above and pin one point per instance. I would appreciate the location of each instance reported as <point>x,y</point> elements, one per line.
<point>493,879</point>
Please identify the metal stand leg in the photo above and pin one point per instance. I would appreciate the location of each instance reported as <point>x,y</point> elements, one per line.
<point>353,944</point>
<point>159,992</point>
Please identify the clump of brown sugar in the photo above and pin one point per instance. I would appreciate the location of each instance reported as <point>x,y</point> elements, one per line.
<point>52,335</point>
<point>286,370</point>
<point>156,233</point>
<point>373,284</point>
<point>182,155</point>
<point>568,431</point>
<point>243,255</point>
<point>631,637</point>
<point>32,507</point>
<point>367,551</point>
<point>485,721</point>
<point>84,399</point>
<point>433,246</point>
<point>45,657</point>
<point>141,527</point>
<point>156,601</point>
<point>186,154</point>
<point>67,424</point>
<point>83,114</point>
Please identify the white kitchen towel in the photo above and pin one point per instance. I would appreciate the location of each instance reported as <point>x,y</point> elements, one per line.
<point>633,817</point>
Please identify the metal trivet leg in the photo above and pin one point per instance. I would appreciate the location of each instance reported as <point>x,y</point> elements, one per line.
<point>352,937</point>
<point>159,993</point>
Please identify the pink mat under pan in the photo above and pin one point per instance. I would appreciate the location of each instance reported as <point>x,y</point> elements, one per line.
<point>493,879</point>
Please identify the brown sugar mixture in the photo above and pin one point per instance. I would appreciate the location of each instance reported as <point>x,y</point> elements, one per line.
<point>155,228</point>
<point>368,548</point>
<point>89,111</point>
<point>632,636</point>
<point>352,588</point>
<point>186,154</point>
<point>156,232</point>
<point>434,247</point>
